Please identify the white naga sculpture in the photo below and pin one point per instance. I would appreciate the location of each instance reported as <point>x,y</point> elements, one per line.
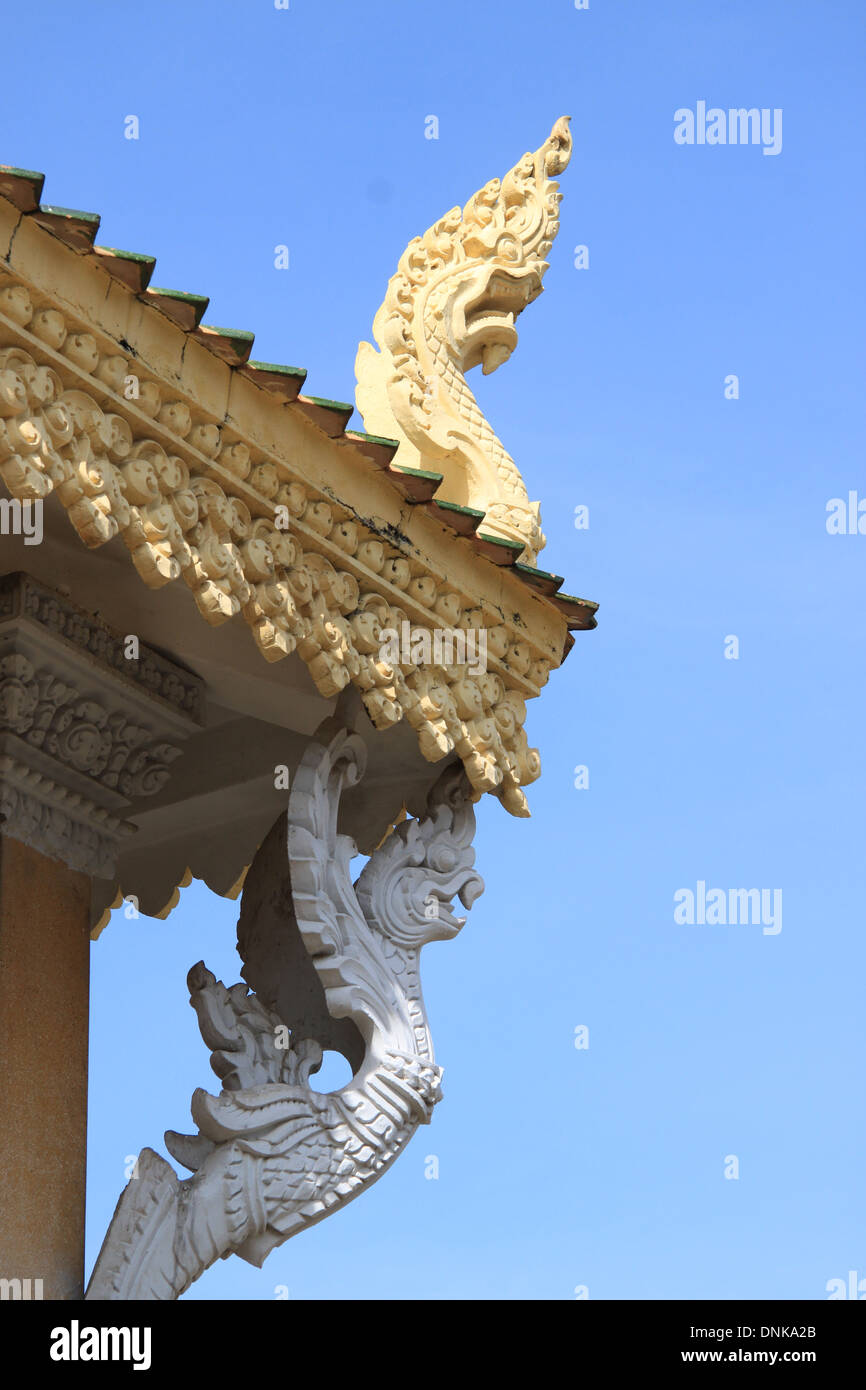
<point>452,305</point>
<point>272,1156</point>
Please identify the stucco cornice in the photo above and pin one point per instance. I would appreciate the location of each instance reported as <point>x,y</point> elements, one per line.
<point>263,503</point>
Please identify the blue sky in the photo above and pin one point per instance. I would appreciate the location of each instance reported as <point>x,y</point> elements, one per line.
<point>558,1167</point>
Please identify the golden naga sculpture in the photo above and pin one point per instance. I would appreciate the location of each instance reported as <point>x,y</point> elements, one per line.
<point>452,305</point>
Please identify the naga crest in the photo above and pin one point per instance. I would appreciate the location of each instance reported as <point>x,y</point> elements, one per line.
<point>452,305</point>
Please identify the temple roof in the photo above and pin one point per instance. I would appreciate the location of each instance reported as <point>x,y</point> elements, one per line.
<point>77,229</point>
<point>177,456</point>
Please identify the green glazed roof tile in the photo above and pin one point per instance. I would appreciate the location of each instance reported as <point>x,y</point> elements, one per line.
<point>376,447</point>
<point>542,580</point>
<point>187,310</point>
<point>325,404</point>
<point>416,484</point>
<point>464,521</point>
<point>327,415</point>
<point>77,229</point>
<point>233,345</point>
<point>278,369</point>
<point>131,267</point>
<point>23,187</point>
<point>276,378</point>
<point>580,612</point>
<point>376,439</point>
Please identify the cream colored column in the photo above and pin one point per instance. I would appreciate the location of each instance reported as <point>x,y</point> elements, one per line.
<point>44,995</point>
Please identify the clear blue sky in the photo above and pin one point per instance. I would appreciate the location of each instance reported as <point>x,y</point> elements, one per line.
<point>558,1167</point>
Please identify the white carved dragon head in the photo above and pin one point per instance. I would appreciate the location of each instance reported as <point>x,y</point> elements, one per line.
<point>450,307</point>
<point>406,889</point>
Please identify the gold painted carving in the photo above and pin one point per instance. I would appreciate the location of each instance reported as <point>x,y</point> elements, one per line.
<point>452,305</point>
<point>191,501</point>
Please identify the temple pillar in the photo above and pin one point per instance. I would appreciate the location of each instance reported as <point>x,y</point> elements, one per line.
<point>44,989</point>
<point>85,736</point>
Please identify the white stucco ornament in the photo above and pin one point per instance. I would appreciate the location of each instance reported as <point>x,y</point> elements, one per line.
<point>271,1155</point>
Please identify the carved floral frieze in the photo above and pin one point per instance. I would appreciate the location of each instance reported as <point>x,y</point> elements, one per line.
<point>82,738</point>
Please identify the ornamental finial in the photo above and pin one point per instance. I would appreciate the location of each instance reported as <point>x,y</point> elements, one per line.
<point>450,307</point>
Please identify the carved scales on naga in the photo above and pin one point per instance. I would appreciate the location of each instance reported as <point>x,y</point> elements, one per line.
<point>451,305</point>
<point>272,1156</point>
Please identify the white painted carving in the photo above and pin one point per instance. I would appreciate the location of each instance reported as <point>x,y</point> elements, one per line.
<point>60,823</point>
<point>272,1156</point>
<point>84,734</point>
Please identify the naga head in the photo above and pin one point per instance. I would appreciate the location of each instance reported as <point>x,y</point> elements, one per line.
<point>451,306</point>
<point>499,245</point>
<point>407,889</point>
